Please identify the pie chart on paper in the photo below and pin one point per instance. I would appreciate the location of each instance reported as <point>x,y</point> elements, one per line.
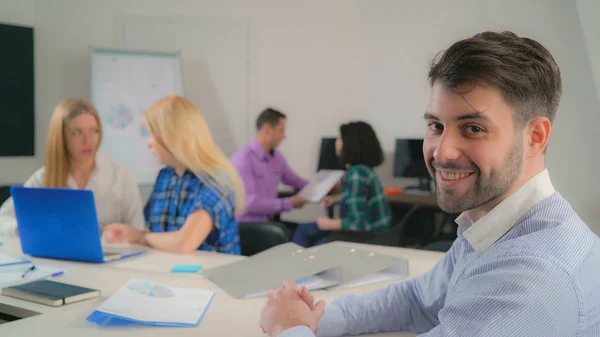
<point>144,131</point>
<point>149,289</point>
<point>119,116</point>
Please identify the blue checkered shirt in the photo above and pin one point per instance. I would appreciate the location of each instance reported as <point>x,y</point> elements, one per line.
<point>175,197</point>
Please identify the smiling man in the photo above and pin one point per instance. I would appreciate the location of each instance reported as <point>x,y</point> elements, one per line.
<point>524,263</point>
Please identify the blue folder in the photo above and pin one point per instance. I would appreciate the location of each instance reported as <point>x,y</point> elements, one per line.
<point>100,318</point>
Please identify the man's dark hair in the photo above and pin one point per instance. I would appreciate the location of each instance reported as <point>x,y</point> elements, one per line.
<point>361,145</point>
<point>269,115</point>
<point>522,69</point>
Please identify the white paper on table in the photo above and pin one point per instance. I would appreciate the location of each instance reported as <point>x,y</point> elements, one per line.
<point>13,275</point>
<point>10,260</point>
<point>147,301</point>
<point>323,183</point>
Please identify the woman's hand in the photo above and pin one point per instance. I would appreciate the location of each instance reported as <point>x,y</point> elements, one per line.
<point>118,233</point>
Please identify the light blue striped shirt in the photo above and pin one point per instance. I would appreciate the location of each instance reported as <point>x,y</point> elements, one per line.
<point>529,267</point>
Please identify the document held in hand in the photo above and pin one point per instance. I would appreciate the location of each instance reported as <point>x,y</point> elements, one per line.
<point>323,183</point>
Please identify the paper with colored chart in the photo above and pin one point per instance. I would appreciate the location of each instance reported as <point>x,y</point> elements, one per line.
<point>150,303</point>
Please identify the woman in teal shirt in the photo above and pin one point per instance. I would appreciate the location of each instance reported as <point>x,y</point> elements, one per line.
<point>363,205</point>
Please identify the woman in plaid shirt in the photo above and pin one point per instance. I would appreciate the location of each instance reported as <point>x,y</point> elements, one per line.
<point>363,205</point>
<point>198,193</point>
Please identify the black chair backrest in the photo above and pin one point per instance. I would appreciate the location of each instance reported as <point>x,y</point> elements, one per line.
<point>439,246</point>
<point>259,236</point>
<point>386,237</point>
<point>4,193</point>
<point>328,160</point>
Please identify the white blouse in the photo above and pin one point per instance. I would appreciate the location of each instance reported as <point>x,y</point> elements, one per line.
<point>115,189</point>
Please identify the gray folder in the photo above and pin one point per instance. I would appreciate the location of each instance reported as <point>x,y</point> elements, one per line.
<point>267,270</point>
<point>327,266</point>
<point>361,266</point>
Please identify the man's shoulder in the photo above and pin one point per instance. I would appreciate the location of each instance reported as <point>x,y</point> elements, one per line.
<point>243,155</point>
<point>553,231</point>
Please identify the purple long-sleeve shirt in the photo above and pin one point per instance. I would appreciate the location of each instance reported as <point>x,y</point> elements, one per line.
<point>261,173</point>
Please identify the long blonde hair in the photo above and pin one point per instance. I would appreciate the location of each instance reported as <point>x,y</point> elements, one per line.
<point>182,129</point>
<point>57,162</point>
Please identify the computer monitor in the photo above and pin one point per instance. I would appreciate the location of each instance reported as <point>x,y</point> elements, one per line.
<point>328,160</point>
<point>17,129</point>
<point>409,162</point>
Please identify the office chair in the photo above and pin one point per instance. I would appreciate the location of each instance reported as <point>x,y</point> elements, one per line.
<point>328,159</point>
<point>439,246</point>
<point>386,237</point>
<point>258,236</point>
<point>4,193</point>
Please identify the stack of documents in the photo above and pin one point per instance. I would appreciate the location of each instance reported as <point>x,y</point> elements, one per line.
<point>149,303</point>
<point>7,260</point>
<point>16,270</point>
<point>323,267</point>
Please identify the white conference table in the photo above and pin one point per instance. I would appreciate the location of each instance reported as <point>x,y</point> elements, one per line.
<point>226,317</point>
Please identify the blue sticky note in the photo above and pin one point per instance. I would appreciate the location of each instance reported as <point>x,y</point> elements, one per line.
<point>186,268</point>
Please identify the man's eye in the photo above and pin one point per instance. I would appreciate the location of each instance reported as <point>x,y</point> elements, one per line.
<point>436,127</point>
<point>473,129</point>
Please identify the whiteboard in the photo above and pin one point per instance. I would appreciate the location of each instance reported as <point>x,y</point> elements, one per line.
<point>124,83</point>
<point>215,62</point>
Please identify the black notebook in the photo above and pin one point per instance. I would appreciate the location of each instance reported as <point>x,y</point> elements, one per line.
<point>50,292</point>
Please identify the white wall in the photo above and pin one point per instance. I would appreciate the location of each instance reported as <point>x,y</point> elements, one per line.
<point>400,39</point>
<point>18,169</point>
<point>327,62</point>
<point>17,12</point>
<point>588,16</point>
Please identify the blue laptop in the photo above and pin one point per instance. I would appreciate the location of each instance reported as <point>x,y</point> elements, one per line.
<point>61,223</point>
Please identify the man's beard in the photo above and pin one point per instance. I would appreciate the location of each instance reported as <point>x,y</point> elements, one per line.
<point>485,189</point>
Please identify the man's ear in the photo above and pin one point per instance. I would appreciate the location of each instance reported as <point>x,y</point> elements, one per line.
<point>538,132</point>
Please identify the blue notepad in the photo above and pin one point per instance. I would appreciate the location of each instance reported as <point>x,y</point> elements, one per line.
<point>148,303</point>
<point>186,268</point>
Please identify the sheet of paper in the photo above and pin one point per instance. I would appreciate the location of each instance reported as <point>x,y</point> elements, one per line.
<point>13,275</point>
<point>326,279</point>
<point>321,185</point>
<point>6,260</point>
<point>394,272</point>
<point>150,302</point>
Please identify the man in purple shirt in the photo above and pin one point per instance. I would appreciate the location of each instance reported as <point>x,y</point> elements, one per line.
<point>262,168</point>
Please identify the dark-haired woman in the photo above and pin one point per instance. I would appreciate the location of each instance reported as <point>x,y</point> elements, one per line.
<point>363,205</point>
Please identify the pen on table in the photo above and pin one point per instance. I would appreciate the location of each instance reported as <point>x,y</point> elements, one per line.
<point>27,271</point>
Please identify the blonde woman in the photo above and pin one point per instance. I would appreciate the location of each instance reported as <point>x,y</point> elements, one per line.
<point>73,161</point>
<point>196,196</point>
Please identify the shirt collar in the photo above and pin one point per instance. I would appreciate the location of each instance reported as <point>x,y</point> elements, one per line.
<point>483,233</point>
<point>259,150</point>
<point>100,161</point>
<point>185,173</point>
